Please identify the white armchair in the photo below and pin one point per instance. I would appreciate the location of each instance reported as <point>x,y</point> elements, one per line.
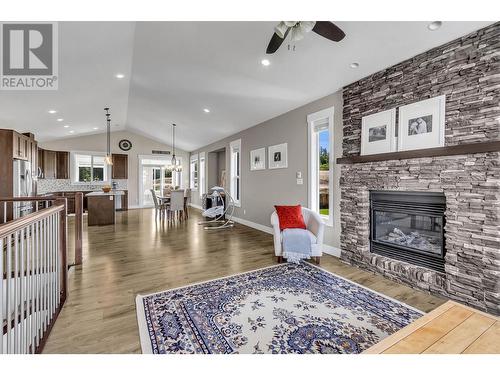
<point>314,226</point>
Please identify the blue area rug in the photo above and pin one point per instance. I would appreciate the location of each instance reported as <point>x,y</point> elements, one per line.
<point>287,308</point>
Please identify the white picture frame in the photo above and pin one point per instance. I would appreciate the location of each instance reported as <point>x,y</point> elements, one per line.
<point>378,132</point>
<point>278,156</point>
<point>421,124</point>
<point>258,159</point>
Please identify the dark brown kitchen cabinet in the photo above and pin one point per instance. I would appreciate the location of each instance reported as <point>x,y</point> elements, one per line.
<point>119,170</point>
<point>20,146</point>
<point>49,164</point>
<point>53,164</point>
<point>62,167</point>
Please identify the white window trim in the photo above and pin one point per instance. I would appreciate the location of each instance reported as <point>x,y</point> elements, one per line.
<point>232,146</point>
<point>74,170</point>
<point>202,175</point>
<point>194,158</point>
<point>327,113</point>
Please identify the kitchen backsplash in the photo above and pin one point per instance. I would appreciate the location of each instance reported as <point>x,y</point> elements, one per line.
<point>45,186</point>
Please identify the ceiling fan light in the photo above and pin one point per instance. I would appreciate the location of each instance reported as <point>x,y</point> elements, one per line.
<point>290,23</point>
<point>307,26</point>
<point>281,29</point>
<point>297,34</point>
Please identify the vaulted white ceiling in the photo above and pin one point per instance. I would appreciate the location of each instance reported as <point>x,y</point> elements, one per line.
<point>173,70</point>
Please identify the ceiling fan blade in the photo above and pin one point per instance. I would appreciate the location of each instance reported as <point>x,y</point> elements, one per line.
<point>328,30</point>
<point>275,43</point>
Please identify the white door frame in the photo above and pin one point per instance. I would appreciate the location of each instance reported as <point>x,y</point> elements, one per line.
<point>162,158</point>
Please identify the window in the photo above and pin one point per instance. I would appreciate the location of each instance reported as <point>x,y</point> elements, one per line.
<point>235,182</point>
<point>320,126</point>
<point>193,180</point>
<point>89,168</point>
<point>202,181</point>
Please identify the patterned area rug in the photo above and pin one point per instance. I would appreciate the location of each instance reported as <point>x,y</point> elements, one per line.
<point>287,308</point>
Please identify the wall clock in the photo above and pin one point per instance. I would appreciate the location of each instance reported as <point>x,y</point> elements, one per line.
<point>125,145</point>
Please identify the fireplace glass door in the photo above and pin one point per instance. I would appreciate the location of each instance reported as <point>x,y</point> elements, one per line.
<point>409,226</point>
<point>418,232</point>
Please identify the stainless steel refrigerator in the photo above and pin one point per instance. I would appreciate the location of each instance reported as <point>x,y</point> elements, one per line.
<point>23,187</point>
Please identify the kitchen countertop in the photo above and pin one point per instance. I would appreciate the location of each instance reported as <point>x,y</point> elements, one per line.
<point>102,193</point>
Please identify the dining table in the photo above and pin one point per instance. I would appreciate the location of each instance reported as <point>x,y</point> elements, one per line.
<point>166,199</point>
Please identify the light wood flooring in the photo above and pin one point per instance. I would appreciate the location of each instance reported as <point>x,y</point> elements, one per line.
<point>451,329</point>
<point>139,256</point>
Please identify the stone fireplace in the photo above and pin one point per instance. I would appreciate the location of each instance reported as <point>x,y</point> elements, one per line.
<point>408,226</point>
<point>467,269</point>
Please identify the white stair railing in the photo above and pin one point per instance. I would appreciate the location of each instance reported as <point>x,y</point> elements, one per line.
<point>34,270</point>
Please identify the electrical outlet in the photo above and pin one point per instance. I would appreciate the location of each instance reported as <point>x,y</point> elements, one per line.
<point>244,212</point>
<point>300,181</point>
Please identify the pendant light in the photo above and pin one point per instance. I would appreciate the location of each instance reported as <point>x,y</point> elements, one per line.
<point>108,159</point>
<point>173,162</point>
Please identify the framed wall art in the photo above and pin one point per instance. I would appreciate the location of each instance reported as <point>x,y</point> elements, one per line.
<point>421,124</point>
<point>258,159</point>
<point>378,133</point>
<point>278,156</point>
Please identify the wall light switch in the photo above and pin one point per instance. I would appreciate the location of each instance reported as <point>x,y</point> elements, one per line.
<point>300,181</point>
<point>298,175</point>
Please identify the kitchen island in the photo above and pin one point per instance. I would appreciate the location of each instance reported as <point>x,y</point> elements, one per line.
<point>102,207</point>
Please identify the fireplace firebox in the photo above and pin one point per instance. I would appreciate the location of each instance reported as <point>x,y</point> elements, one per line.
<point>409,226</point>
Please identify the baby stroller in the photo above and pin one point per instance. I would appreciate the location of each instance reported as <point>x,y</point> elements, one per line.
<point>220,211</point>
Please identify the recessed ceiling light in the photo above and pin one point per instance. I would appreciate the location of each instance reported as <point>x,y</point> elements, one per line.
<point>60,120</point>
<point>206,110</point>
<point>120,75</point>
<point>265,62</point>
<point>95,128</point>
<point>66,126</point>
<point>71,131</point>
<point>354,65</point>
<point>434,25</point>
<point>52,111</point>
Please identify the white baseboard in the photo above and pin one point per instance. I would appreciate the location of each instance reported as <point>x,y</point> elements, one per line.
<point>253,225</point>
<point>331,250</point>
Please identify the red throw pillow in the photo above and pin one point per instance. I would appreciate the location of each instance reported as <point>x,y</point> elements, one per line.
<point>290,217</point>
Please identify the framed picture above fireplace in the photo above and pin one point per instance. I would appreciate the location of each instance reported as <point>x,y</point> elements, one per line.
<point>378,133</point>
<point>421,124</point>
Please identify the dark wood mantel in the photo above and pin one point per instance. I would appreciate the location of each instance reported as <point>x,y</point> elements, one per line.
<point>464,149</point>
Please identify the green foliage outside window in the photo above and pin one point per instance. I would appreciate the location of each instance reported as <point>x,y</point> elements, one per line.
<point>324,159</point>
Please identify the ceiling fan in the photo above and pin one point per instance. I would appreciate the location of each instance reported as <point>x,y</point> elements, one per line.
<point>298,29</point>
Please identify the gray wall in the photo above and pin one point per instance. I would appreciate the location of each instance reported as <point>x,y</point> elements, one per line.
<point>261,190</point>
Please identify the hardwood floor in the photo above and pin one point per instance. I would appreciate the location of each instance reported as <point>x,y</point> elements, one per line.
<point>450,329</point>
<point>141,256</point>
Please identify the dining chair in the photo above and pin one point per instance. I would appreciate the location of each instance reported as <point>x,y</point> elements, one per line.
<point>159,207</point>
<point>177,204</point>
<point>167,191</point>
<point>187,200</point>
